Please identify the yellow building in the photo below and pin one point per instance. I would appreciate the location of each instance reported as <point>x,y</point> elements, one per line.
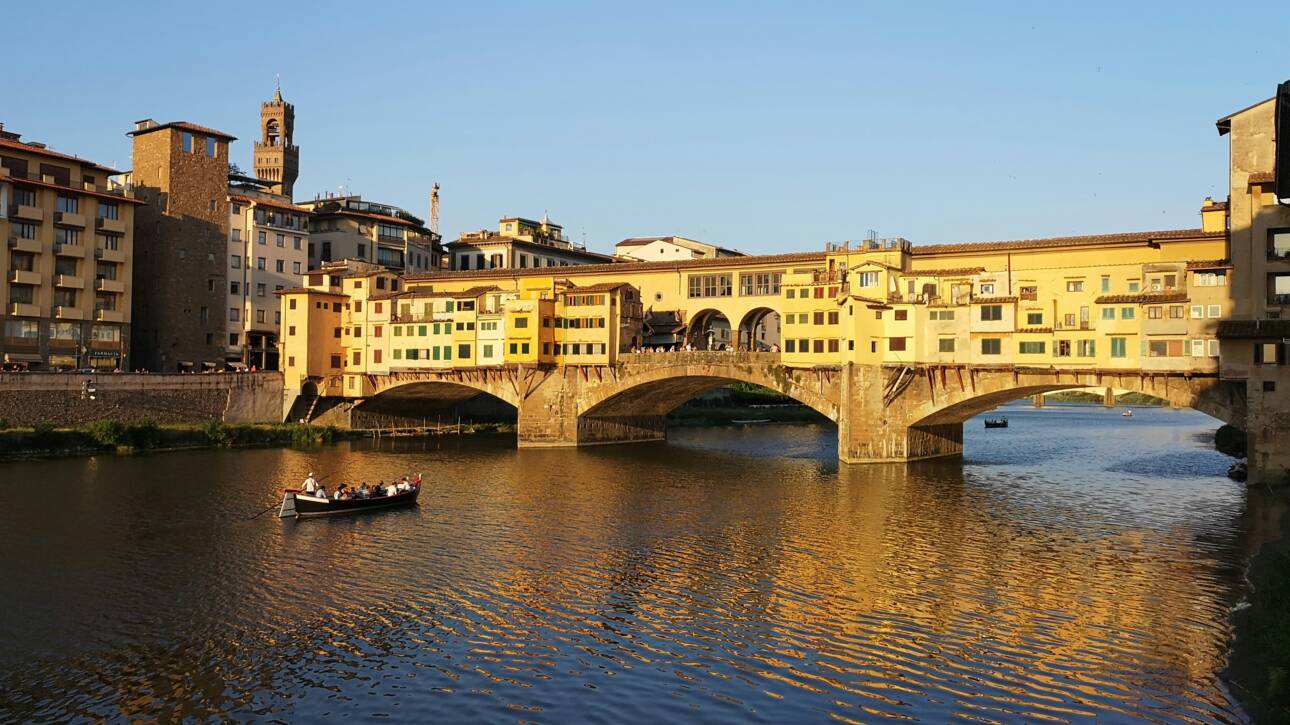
<point>68,231</point>
<point>519,243</point>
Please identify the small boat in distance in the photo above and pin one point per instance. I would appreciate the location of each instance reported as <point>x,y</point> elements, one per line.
<point>298,504</point>
<point>1127,414</point>
<point>1000,422</point>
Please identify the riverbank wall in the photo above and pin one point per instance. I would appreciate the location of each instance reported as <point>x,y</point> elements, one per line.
<point>67,400</point>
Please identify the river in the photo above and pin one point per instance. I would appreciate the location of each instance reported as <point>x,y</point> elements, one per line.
<point>1075,567</point>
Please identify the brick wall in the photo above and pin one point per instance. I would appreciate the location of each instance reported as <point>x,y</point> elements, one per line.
<point>30,398</point>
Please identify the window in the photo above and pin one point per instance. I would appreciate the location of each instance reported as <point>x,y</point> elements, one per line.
<point>210,146</point>
<point>1106,284</point>
<point>789,293</point>
<point>1134,286</point>
<point>487,351</point>
<point>1034,318</point>
<point>24,230</point>
<point>991,346</point>
<point>259,290</point>
<point>1279,244</point>
<point>259,316</point>
<point>1197,348</point>
<point>790,346</point>
<point>71,237</point>
<point>1213,348</point>
<point>1175,312</point>
<point>817,345</point>
<point>1215,311</point>
<point>279,266</point>
<point>1074,285</point>
<point>108,210</point>
<point>280,240</point>
<point>521,322</point>
<point>868,279</point>
<point>761,283</point>
<point>833,345</point>
<point>1165,348</point>
<point>261,237</point>
<point>1197,312</point>
<point>295,243</point>
<point>1128,313</point>
<point>1108,313</point>
<point>900,315</point>
<point>709,285</point>
<point>941,314</point>
<point>987,288</point>
<point>1086,348</point>
<point>357,357</point>
<point>1210,279</point>
<point>234,314</point>
<point>1154,312</point>
<point>187,140</point>
<point>335,361</point>
<point>295,268</point>
<point>896,344</point>
<point>1119,347</point>
<point>1031,348</point>
<point>463,351</point>
<point>945,344</point>
<point>376,356</point>
<point>1061,348</point>
<point>991,313</point>
<point>234,288</point>
<point>818,318</point>
<point>259,262</point>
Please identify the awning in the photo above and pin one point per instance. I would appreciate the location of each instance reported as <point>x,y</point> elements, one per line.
<point>22,357</point>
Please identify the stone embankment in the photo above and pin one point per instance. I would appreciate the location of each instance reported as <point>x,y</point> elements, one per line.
<point>73,399</point>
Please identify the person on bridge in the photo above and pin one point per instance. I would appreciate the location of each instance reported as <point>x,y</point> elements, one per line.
<point>311,484</point>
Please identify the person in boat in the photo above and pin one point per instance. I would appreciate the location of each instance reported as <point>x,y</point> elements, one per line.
<point>320,492</point>
<point>342,493</point>
<point>311,484</point>
<point>361,491</point>
<point>391,490</point>
<point>378,489</point>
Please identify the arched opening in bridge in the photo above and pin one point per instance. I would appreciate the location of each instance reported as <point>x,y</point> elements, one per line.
<point>709,330</point>
<point>942,431</point>
<point>431,405</point>
<point>759,330</point>
<point>645,411</point>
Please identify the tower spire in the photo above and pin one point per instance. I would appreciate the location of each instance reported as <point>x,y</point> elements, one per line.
<point>277,88</point>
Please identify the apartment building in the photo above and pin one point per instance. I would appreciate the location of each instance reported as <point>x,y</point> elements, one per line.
<point>68,229</point>
<point>347,227</point>
<point>519,243</point>
<point>267,252</point>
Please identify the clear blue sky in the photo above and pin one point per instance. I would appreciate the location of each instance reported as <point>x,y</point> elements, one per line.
<point>763,126</point>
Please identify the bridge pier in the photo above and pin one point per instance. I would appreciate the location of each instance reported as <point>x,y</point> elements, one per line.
<point>1108,398</point>
<point>873,421</point>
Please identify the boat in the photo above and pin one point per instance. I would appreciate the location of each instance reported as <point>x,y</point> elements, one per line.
<point>1127,414</point>
<point>747,422</point>
<point>298,504</point>
<point>996,422</point>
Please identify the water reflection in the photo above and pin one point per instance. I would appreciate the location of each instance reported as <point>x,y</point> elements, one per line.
<point>1072,568</point>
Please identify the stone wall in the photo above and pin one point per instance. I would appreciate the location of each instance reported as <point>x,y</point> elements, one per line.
<point>60,398</point>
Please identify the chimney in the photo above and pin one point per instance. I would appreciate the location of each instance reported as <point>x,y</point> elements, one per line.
<point>144,124</point>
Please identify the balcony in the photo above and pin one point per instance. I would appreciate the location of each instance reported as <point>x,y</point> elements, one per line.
<point>111,188</point>
<point>102,284</point>
<point>27,213</point>
<point>110,226</point>
<point>109,255</point>
<point>22,276</point>
<point>70,281</point>
<point>69,250</point>
<point>64,312</point>
<point>1279,299</point>
<point>23,309</point>
<point>102,315</point>
<point>22,244</point>
<point>69,219</point>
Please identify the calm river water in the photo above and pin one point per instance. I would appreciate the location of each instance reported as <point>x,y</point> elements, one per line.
<point>1075,567</point>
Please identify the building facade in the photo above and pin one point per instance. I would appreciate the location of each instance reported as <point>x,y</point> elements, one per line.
<point>268,243</point>
<point>666,249</point>
<point>1256,340</point>
<point>68,251</point>
<point>349,228</point>
<point>519,243</point>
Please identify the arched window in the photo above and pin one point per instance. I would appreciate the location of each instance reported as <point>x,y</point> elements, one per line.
<point>272,135</point>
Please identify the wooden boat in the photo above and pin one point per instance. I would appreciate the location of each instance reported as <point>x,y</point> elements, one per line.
<point>298,504</point>
<point>1127,414</point>
<point>1238,472</point>
<point>996,422</point>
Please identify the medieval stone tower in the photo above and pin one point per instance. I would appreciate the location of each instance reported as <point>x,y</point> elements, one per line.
<point>277,159</point>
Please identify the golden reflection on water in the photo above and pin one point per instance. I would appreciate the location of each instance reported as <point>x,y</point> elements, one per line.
<point>709,577</point>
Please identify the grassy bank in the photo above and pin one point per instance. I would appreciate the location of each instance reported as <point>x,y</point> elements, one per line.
<point>1084,396</point>
<point>727,414</point>
<point>110,436</point>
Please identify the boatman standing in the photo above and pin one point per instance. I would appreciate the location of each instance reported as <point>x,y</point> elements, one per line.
<point>311,484</point>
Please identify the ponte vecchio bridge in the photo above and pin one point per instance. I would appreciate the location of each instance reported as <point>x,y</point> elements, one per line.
<point>897,344</point>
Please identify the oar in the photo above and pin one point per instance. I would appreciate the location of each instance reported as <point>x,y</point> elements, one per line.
<point>272,506</point>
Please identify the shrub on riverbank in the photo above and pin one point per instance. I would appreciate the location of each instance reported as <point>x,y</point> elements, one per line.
<point>106,435</point>
<point>1230,440</point>
<point>1260,667</point>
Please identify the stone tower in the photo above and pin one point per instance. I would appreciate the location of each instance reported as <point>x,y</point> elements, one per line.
<point>277,159</point>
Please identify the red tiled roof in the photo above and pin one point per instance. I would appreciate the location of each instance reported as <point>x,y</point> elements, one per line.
<point>1210,264</point>
<point>959,272</point>
<point>992,300</point>
<point>580,269</point>
<point>287,206</point>
<point>1214,206</point>
<point>1257,329</point>
<point>602,287</point>
<point>186,126</point>
<point>307,290</point>
<point>20,146</point>
<point>1145,298</point>
<point>1080,241</point>
<point>1262,177</point>
<point>1034,330</point>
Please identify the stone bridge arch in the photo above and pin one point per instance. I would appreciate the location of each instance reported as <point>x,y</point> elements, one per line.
<point>916,413</point>
<point>414,395</point>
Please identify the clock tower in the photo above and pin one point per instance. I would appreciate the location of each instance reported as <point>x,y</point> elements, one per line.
<point>277,159</point>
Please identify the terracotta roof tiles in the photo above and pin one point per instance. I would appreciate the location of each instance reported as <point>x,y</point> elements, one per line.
<point>1144,298</point>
